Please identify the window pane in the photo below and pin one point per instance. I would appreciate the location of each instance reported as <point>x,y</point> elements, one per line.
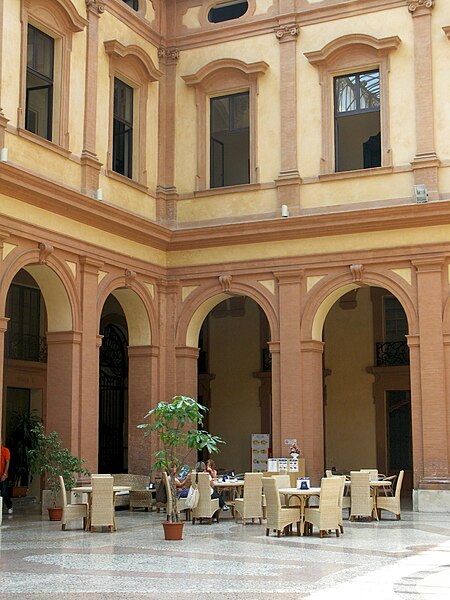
<point>240,111</point>
<point>123,101</point>
<point>220,114</point>
<point>369,90</point>
<point>346,93</point>
<point>122,149</point>
<point>134,4</point>
<point>38,115</point>
<point>40,52</point>
<point>226,11</point>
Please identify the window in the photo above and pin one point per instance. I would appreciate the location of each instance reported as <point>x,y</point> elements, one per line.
<point>23,307</point>
<point>39,83</point>
<point>123,129</point>
<point>357,121</point>
<point>134,4</point>
<point>230,140</point>
<point>226,11</point>
<point>395,321</point>
<point>353,75</point>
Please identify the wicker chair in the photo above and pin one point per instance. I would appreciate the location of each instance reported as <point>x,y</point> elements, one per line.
<point>72,511</point>
<point>373,473</point>
<point>344,499</point>
<point>181,502</point>
<point>362,502</point>
<point>279,518</point>
<point>102,504</point>
<point>328,515</point>
<point>250,506</point>
<point>392,504</point>
<point>388,490</point>
<point>207,507</point>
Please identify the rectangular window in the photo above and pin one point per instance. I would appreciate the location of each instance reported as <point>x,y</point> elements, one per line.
<point>395,321</point>
<point>123,129</point>
<point>357,121</point>
<point>230,140</point>
<point>39,83</point>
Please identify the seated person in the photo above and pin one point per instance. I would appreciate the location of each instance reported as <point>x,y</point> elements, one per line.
<point>211,468</point>
<point>182,485</point>
<point>200,467</point>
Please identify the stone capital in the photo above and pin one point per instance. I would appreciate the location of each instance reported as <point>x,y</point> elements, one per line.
<point>416,6</point>
<point>168,55</point>
<point>96,7</point>
<point>287,33</point>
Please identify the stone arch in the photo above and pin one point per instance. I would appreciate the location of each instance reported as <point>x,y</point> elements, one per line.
<point>196,309</point>
<point>331,289</point>
<point>137,307</point>
<point>55,281</point>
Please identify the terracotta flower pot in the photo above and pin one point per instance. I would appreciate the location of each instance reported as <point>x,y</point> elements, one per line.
<point>54,513</point>
<point>173,531</point>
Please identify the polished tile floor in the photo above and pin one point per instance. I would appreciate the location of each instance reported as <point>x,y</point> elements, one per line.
<point>408,559</point>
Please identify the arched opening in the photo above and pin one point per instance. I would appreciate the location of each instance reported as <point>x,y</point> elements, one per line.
<point>113,390</point>
<point>367,390</point>
<point>234,381</point>
<point>227,11</point>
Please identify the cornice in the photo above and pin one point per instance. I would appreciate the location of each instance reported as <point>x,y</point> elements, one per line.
<point>133,20</point>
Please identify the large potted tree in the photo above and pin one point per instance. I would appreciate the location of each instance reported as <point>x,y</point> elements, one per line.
<point>51,459</point>
<point>178,427</point>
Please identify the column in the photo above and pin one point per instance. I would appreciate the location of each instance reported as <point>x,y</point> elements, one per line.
<point>186,370</point>
<point>90,165</point>
<point>89,368</point>
<point>63,386</point>
<point>3,329</point>
<point>166,191</point>
<point>432,369</point>
<point>142,397</point>
<point>291,417</point>
<point>288,182</point>
<point>275,442</point>
<point>425,162</point>
<point>168,294</point>
<point>3,119</point>
<point>312,405</point>
<point>416,408</point>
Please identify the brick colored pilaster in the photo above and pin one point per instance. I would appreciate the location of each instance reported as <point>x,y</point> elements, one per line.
<point>276,399</point>
<point>186,369</point>
<point>142,397</point>
<point>3,328</point>
<point>168,297</point>
<point>63,386</point>
<point>416,408</point>
<point>432,367</point>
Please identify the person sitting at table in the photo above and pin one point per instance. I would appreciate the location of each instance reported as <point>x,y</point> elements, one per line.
<point>182,485</point>
<point>200,467</point>
<point>211,468</point>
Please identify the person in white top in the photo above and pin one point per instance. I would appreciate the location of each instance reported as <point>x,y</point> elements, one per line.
<point>200,467</point>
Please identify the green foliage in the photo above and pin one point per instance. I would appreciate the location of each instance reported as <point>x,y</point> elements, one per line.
<point>177,424</point>
<point>23,439</point>
<point>51,459</point>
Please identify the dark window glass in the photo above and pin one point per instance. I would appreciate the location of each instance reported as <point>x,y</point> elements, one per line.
<point>230,140</point>
<point>123,129</point>
<point>134,4</point>
<point>399,428</point>
<point>23,307</point>
<point>226,11</point>
<point>395,321</point>
<point>357,121</point>
<point>39,83</point>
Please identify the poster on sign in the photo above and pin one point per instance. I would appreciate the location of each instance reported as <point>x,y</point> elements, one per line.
<point>260,451</point>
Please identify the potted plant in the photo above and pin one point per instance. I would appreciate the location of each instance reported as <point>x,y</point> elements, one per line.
<point>23,438</point>
<point>51,459</point>
<point>177,425</point>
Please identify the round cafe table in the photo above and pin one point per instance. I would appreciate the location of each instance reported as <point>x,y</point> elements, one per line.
<point>303,496</point>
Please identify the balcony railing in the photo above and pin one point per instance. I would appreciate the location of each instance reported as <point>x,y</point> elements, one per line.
<point>26,347</point>
<point>392,354</point>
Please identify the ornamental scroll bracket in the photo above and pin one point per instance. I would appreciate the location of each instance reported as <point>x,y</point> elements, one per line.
<point>95,6</point>
<point>357,273</point>
<point>413,5</point>
<point>130,276</point>
<point>225,282</point>
<point>44,252</point>
<point>287,33</point>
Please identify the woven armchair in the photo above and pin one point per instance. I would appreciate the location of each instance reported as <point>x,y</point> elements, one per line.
<point>250,506</point>
<point>181,502</point>
<point>71,512</point>
<point>207,507</point>
<point>279,518</point>
<point>344,499</point>
<point>102,504</point>
<point>328,515</point>
<point>392,504</point>
<point>373,473</point>
<point>361,500</point>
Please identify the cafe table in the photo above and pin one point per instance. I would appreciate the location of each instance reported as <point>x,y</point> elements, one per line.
<point>303,496</point>
<point>375,485</point>
<point>87,489</point>
<point>233,486</point>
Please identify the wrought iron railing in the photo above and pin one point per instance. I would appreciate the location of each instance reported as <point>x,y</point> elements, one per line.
<point>392,354</point>
<point>26,347</point>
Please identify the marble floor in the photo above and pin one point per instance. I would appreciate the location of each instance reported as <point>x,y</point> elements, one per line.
<point>407,559</point>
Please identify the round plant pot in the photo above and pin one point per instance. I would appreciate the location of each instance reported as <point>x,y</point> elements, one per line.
<point>54,514</point>
<point>173,531</point>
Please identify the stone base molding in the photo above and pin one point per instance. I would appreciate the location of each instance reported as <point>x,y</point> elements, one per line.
<point>433,495</point>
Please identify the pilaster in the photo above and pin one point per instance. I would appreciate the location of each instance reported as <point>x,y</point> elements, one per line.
<point>425,163</point>
<point>90,165</point>
<point>3,119</point>
<point>168,297</point>
<point>186,368</point>
<point>3,329</point>
<point>166,189</point>
<point>288,182</point>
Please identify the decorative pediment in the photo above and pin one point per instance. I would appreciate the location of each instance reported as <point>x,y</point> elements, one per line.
<point>135,54</point>
<point>59,12</point>
<point>216,66</point>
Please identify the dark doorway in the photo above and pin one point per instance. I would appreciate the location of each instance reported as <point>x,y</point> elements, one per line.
<point>398,406</point>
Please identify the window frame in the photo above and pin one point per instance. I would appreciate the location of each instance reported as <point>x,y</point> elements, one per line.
<point>134,67</point>
<point>224,77</point>
<point>354,53</point>
<point>59,20</point>
<point>123,121</point>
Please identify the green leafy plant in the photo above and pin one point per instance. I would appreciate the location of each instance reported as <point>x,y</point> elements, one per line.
<point>51,459</point>
<point>23,439</point>
<point>177,424</point>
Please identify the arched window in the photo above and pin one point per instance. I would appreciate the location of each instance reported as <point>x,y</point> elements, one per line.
<point>134,4</point>
<point>226,11</point>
